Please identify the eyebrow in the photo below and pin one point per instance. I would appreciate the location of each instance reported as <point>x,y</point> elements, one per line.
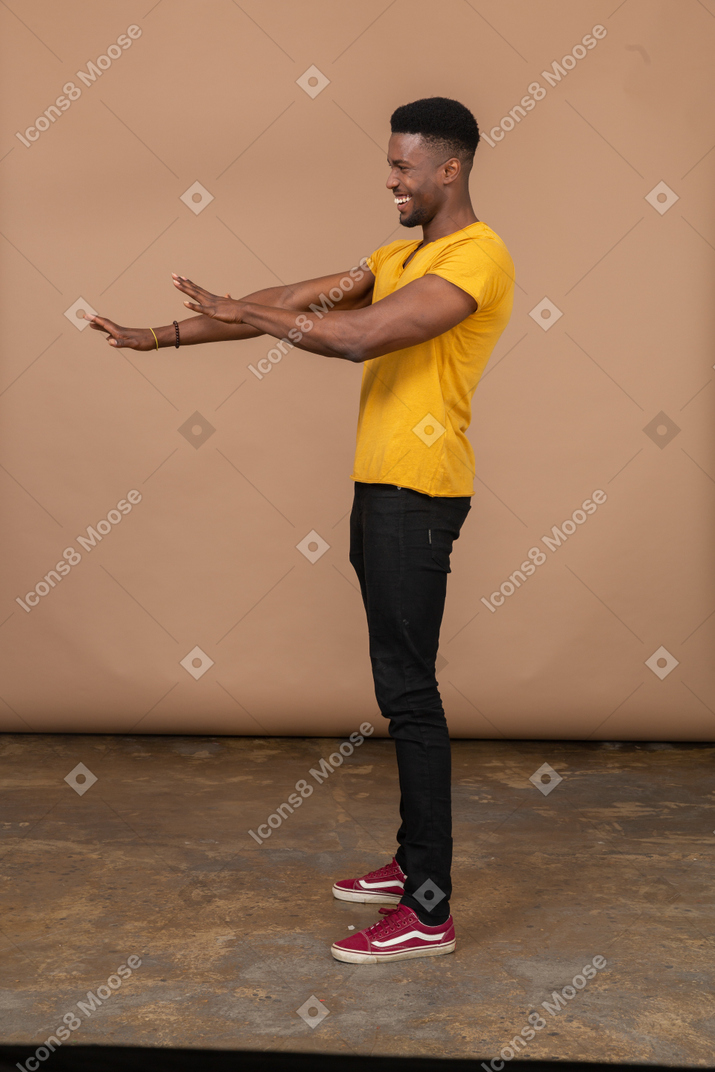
<point>397,161</point>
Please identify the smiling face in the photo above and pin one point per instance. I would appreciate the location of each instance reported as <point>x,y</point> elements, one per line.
<point>420,178</point>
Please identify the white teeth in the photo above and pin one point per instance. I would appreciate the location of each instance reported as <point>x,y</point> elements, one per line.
<point>402,200</point>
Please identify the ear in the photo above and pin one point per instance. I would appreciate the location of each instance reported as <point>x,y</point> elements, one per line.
<point>451,170</point>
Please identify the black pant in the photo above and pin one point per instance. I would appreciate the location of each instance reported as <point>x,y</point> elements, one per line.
<point>400,546</point>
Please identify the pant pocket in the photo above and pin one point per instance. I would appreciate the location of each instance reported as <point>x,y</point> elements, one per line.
<point>440,556</point>
<point>447,516</point>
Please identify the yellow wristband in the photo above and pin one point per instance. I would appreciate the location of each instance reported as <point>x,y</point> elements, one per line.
<point>155,338</point>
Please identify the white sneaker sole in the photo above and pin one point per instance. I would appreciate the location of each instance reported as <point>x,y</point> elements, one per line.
<point>363,897</point>
<point>408,954</point>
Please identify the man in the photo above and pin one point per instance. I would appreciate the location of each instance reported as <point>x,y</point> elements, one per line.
<point>423,316</point>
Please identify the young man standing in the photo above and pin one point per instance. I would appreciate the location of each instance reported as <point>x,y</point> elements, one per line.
<point>423,317</point>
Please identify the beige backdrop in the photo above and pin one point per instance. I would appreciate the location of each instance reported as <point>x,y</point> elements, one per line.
<point>198,611</point>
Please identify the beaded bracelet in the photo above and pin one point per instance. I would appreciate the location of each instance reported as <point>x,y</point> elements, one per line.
<point>176,329</point>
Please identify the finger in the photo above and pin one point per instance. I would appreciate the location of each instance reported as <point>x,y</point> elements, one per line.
<point>187,285</point>
<point>190,289</point>
<point>193,289</point>
<point>198,308</point>
<point>100,323</point>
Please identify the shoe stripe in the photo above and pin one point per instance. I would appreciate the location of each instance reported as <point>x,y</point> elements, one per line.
<point>399,938</point>
<point>378,885</point>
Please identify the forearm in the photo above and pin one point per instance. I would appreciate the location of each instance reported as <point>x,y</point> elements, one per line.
<point>202,329</point>
<point>273,312</point>
<point>199,329</point>
<point>335,334</point>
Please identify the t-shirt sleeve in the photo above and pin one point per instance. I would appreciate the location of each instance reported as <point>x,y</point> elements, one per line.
<point>373,261</point>
<point>477,267</point>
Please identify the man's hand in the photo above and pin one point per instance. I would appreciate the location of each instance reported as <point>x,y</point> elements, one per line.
<point>224,309</point>
<point>133,338</point>
<point>223,319</point>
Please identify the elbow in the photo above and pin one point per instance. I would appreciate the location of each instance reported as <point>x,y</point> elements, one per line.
<point>365,352</point>
<point>359,347</point>
<point>353,347</point>
<point>356,355</point>
<point>358,341</point>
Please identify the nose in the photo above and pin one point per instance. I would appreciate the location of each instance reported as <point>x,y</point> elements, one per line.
<point>392,181</point>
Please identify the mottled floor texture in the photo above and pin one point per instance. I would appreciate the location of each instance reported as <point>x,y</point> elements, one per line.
<point>154,860</point>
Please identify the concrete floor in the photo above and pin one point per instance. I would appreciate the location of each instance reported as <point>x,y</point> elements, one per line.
<point>155,860</point>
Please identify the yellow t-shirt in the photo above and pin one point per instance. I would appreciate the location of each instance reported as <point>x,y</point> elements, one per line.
<point>415,403</point>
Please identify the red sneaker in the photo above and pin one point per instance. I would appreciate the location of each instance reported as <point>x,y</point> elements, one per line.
<point>385,884</point>
<point>400,936</point>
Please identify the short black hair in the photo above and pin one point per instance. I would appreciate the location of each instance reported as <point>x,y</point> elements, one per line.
<point>443,122</point>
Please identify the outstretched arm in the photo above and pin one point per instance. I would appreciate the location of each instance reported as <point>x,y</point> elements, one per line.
<point>198,329</point>
<point>419,311</point>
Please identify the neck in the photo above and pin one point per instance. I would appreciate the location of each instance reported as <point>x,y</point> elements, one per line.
<point>449,219</point>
